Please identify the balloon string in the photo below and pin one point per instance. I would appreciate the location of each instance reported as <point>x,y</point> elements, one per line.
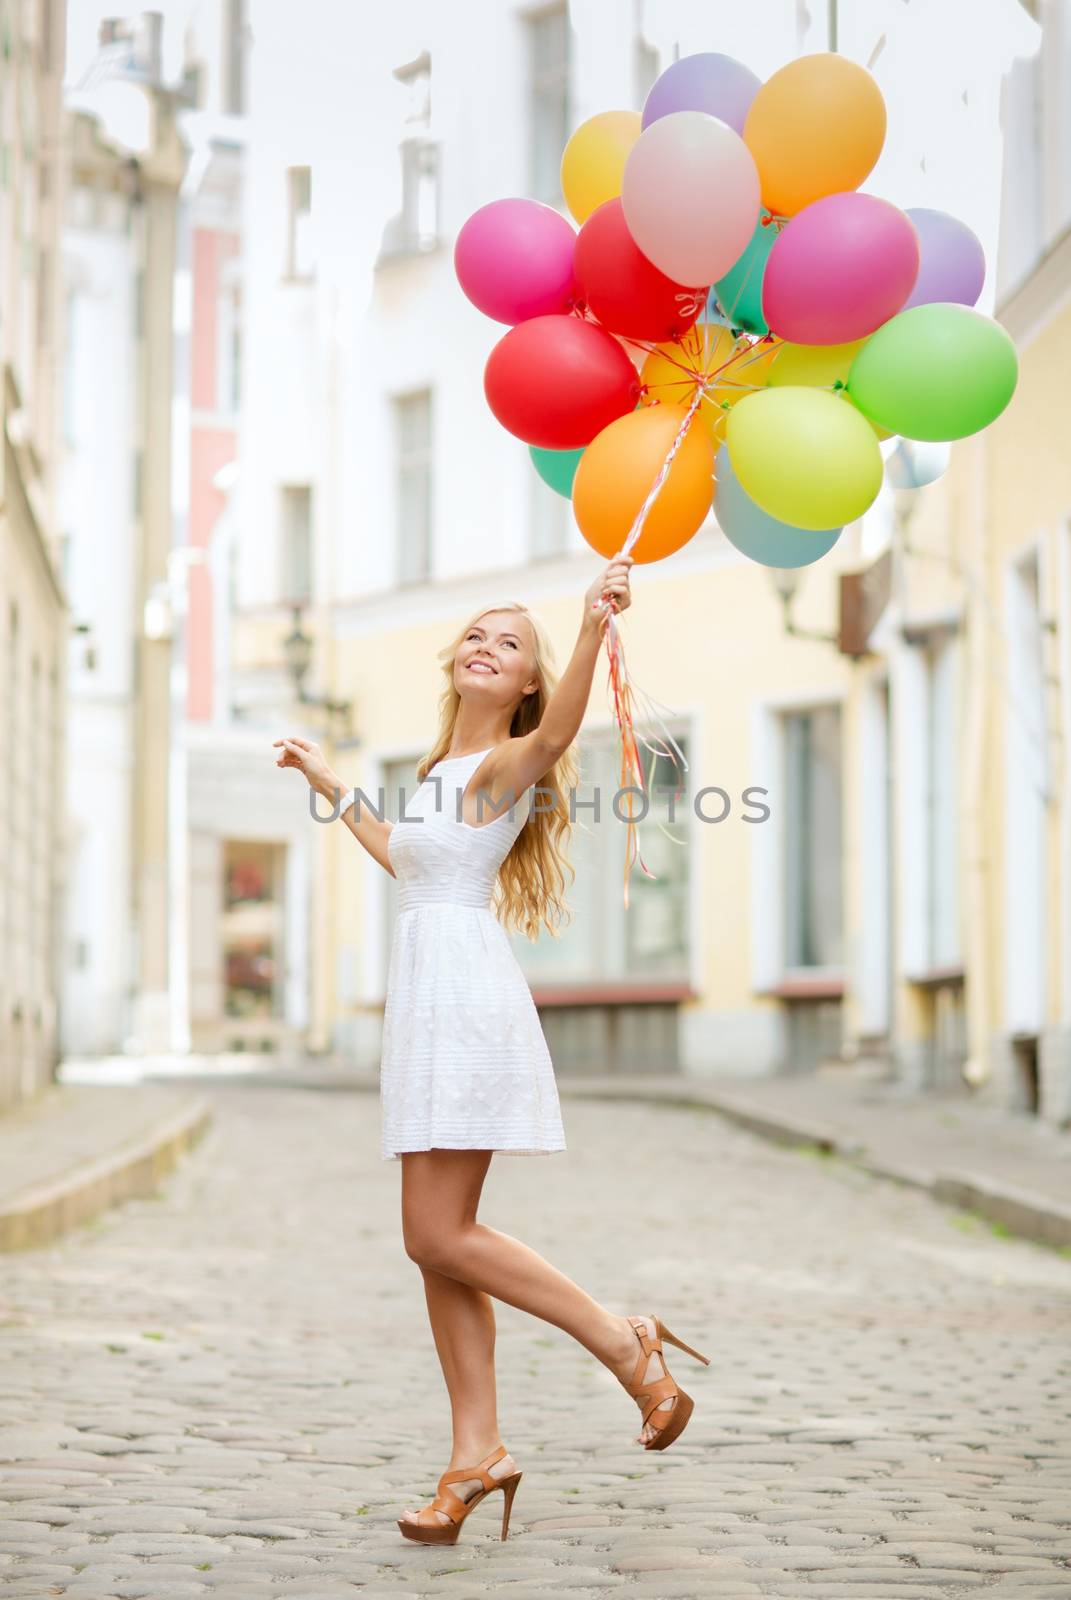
<point>621,688</point>
<point>772,220</point>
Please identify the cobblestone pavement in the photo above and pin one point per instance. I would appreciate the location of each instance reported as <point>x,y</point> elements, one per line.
<point>232,1389</point>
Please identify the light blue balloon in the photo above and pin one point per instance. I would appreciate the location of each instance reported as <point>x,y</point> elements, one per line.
<point>758,535</point>
<point>713,312</point>
<point>740,291</point>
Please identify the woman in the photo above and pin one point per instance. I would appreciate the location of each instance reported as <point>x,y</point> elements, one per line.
<point>465,1068</point>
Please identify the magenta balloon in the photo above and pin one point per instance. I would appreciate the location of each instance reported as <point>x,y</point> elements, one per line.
<point>514,260</point>
<point>706,82</point>
<point>951,260</point>
<point>839,268</point>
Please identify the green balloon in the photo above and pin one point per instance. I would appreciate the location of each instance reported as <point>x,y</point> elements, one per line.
<point>557,467</point>
<point>939,371</point>
<point>739,293</point>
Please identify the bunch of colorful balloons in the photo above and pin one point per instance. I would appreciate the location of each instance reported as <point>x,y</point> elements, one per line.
<point>733,317</point>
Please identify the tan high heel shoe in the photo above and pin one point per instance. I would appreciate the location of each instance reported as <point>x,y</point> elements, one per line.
<point>651,1393</point>
<point>456,1508</point>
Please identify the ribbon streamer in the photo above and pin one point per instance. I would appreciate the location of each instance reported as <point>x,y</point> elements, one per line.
<point>622,690</point>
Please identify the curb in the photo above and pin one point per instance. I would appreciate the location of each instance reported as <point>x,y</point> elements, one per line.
<point>1022,1212</point>
<point>40,1214</point>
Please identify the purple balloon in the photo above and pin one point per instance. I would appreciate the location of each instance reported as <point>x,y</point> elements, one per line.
<point>839,268</point>
<point>514,260</point>
<point>951,260</point>
<point>706,82</point>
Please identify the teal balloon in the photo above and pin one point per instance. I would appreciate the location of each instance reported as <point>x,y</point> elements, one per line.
<point>758,535</point>
<point>739,293</point>
<point>935,372</point>
<point>557,467</point>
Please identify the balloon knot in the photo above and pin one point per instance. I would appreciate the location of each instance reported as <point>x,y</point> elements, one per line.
<point>838,384</point>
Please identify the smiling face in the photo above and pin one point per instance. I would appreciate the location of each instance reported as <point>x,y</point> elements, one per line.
<point>496,660</point>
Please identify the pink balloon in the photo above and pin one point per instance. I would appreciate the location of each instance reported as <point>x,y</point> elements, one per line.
<point>514,260</point>
<point>690,195</point>
<point>839,268</point>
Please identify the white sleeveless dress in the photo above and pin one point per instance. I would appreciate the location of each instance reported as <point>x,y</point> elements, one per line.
<point>465,1064</point>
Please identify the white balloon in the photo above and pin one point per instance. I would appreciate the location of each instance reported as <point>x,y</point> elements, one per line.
<point>916,462</point>
<point>690,196</point>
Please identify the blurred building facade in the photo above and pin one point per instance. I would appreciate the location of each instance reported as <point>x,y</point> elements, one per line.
<point>342,499</point>
<point>126,161</point>
<point>33,608</point>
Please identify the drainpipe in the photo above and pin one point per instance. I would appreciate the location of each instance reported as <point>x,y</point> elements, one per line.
<point>977,909</point>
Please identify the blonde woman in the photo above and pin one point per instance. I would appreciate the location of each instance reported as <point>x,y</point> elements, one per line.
<point>465,1066</point>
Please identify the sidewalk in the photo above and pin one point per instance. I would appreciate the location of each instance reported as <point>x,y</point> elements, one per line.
<point>78,1148</point>
<point>1011,1168</point>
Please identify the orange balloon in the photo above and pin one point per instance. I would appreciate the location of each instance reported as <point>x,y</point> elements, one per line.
<point>618,471</point>
<point>728,368</point>
<point>816,127</point>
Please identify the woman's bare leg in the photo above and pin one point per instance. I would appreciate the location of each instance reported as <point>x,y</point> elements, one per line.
<point>440,1194</point>
<point>463,1327</point>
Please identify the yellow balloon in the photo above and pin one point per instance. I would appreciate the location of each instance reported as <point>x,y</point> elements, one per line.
<point>594,160</point>
<point>707,354</point>
<point>818,366</point>
<point>816,127</point>
<point>804,457</point>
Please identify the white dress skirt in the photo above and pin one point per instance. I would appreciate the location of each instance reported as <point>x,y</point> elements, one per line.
<point>465,1063</point>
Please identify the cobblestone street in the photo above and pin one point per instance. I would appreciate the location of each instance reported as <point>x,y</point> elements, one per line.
<point>232,1388</point>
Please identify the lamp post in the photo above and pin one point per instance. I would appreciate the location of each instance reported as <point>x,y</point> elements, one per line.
<point>297,649</point>
<point>785,581</point>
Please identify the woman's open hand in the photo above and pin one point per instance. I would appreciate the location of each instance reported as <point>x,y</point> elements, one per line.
<point>309,759</point>
<point>611,584</point>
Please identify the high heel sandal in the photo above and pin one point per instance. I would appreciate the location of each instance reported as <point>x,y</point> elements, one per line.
<point>651,1393</point>
<point>456,1508</point>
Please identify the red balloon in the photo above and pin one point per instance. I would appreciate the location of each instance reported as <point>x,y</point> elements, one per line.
<point>622,288</point>
<point>557,381</point>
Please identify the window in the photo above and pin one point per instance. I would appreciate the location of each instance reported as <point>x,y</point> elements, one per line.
<point>296,543</point>
<point>549,108</point>
<point>412,426</point>
<point>813,920</point>
<point>416,227</point>
<point>252,929</point>
<point>942,803</point>
<point>604,943</point>
<point>549,525</point>
<point>299,262</point>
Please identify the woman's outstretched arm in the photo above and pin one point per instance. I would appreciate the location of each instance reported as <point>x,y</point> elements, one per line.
<point>367,829</point>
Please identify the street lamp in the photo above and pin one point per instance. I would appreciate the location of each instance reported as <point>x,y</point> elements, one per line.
<point>786,581</point>
<point>297,648</point>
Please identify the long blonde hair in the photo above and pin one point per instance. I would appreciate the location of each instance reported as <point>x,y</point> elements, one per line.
<point>531,883</point>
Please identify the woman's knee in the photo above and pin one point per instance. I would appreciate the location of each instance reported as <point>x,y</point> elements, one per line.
<point>438,1247</point>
